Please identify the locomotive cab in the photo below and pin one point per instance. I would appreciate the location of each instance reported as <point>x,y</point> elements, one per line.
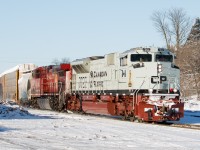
<point>153,68</point>
<point>156,85</point>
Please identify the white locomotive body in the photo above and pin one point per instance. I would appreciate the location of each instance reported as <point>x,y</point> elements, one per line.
<point>139,83</point>
<point>142,69</point>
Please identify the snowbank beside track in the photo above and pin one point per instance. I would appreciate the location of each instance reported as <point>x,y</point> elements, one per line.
<point>10,110</point>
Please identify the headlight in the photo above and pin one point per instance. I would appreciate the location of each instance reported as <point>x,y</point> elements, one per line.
<point>159,68</point>
<point>175,90</point>
<point>150,91</point>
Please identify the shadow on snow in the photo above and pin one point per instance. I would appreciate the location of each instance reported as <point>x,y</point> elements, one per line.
<point>191,117</point>
<point>4,129</point>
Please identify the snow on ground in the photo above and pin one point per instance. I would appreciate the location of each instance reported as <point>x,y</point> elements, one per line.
<point>192,104</point>
<point>192,111</point>
<point>37,129</point>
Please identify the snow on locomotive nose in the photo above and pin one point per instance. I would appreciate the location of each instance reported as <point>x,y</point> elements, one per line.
<point>139,83</point>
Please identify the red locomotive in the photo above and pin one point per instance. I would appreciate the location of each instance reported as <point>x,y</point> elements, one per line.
<point>48,86</point>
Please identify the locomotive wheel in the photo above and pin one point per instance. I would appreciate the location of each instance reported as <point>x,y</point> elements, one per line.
<point>132,119</point>
<point>33,103</point>
<point>140,120</point>
<point>51,103</point>
<point>124,118</point>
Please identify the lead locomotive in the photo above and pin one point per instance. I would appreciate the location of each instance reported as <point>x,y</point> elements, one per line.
<point>140,83</point>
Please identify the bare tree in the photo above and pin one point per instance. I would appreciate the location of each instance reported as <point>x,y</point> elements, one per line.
<point>174,25</point>
<point>159,19</point>
<point>180,25</point>
<point>62,61</point>
<point>190,67</point>
<point>55,61</point>
<point>65,60</point>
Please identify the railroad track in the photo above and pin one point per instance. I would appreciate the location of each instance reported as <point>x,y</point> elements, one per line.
<point>168,124</point>
<point>188,126</point>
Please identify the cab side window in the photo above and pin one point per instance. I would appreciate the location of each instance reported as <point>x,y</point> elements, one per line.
<point>123,61</point>
<point>141,57</point>
<point>164,58</point>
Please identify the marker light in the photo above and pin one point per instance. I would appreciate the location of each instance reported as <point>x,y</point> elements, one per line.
<point>171,90</point>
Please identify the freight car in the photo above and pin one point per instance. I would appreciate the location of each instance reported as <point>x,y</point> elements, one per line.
<point>9,86</point>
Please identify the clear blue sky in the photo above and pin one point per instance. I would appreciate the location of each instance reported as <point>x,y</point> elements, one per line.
<point>38,31</point>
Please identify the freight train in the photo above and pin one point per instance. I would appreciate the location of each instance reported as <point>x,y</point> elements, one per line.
<point>141,83</point>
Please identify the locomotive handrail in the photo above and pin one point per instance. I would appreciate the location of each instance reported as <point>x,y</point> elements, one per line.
<point>60,93</point>
<point>136,91</point>
<point>182,93</point>
<point>139,89</point>
<point>60,90</point>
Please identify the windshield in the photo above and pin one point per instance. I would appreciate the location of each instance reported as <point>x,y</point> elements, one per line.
<point>164,58</point>
<point>141,57</point>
